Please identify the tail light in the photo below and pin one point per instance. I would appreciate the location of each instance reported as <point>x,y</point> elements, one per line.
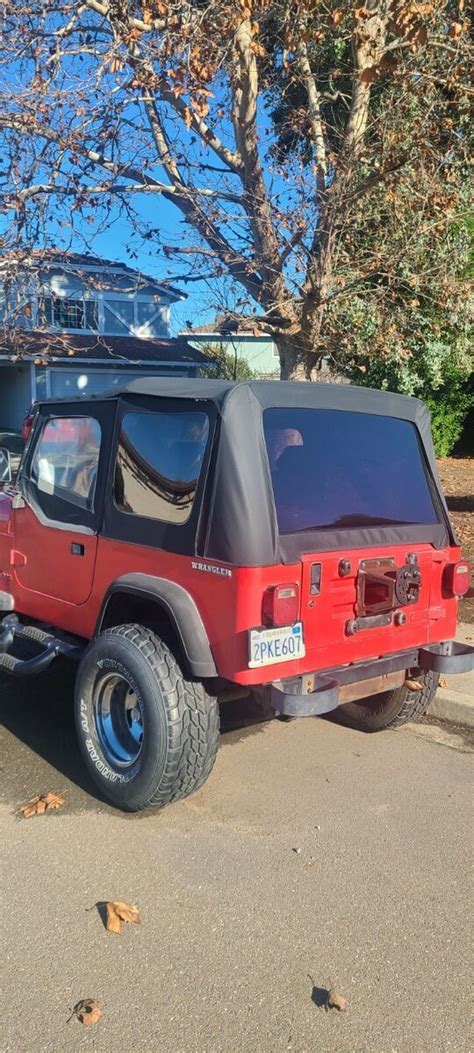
<point>281,604</point>
<point>457,578</point>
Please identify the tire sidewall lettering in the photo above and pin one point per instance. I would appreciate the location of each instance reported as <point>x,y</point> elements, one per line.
<point>92,743</point>
<point>107,773</point>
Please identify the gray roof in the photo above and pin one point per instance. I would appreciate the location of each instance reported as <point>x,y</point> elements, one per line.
<point>121,350</point>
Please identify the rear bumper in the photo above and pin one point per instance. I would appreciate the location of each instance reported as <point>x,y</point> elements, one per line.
<point>319,693</point>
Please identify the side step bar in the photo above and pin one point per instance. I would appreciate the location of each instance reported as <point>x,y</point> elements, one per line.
<point>11,629</point>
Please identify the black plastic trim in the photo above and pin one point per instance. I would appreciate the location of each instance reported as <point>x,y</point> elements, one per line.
<point>182,611</point>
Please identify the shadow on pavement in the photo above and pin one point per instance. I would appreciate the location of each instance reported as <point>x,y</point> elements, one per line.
<point>39,713</point>
<point>319,995</point>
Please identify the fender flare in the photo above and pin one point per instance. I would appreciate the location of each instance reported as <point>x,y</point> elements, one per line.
<point>181,610</point>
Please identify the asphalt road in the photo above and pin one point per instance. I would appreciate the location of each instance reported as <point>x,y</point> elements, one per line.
<point>314,855</point>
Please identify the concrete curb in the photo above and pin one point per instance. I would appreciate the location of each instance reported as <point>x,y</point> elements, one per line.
<point>455,700</point>
<point>454,706</point>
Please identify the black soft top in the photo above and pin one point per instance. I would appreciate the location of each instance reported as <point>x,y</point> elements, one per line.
<point>242,526</point>
<point>241,523</point>
<point>276,393</point>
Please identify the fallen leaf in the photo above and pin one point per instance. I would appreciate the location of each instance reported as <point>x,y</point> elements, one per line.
<point>118,912</point>
<point>413,685</point>
<point>335,1000</point>
<point>443,681</point>
<point>53,800</point>
<point>369,74</point>
<point>455,30</point>
<point>87,1011</point>
<point>41,803</point>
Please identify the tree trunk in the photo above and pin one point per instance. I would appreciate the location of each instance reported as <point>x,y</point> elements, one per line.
<point>295,356</point>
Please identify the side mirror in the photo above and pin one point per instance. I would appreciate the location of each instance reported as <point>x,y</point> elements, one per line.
<point>5,466</point>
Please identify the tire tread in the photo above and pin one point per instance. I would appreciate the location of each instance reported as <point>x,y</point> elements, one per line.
<point>379,716</point>
<point>192,719</point>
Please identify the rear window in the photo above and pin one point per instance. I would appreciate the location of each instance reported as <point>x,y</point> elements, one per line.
<point>332,468</point>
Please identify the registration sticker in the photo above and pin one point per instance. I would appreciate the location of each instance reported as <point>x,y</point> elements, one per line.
<point>269,646</point>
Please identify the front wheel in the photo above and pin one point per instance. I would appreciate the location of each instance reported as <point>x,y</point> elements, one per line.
<point>390,709</point>
<point>148,735</point>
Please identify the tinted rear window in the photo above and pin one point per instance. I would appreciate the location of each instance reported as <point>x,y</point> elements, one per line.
<point>332,468</point>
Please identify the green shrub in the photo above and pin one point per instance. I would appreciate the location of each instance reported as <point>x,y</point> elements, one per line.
<point>447,422</point>
<point>437,372</point>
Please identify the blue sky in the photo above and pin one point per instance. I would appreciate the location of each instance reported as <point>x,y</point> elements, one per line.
<point>114,243</point>
<point>113,234</point>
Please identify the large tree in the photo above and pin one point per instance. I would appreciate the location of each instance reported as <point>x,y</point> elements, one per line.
<point>283,132</point>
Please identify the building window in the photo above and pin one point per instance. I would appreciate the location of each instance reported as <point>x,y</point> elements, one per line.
<point>65,313</point>
<point>159,460</point>
<point>119,317</point>
<point>142,318</point>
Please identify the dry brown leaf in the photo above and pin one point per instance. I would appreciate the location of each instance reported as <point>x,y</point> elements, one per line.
<point>456,30</point>
<point>118,912</point>
<point>443,681</point>
<point>369,74</point>
<point>414,685</point>
<point>41,803</point>
<point>53,800</point>
<point>337,1001</point>
<point>87,1011</point>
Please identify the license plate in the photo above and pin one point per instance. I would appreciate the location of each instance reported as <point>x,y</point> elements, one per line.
<point>268,646</point>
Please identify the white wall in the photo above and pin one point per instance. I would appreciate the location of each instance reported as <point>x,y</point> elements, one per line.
<point>15,394</point>
<point>73,383</point>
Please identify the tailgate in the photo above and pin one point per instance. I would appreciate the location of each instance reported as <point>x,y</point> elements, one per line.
<point>352,603</point>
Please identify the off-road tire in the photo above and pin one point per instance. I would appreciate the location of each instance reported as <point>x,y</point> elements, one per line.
<point>390,709</point>
<point>180,720</point>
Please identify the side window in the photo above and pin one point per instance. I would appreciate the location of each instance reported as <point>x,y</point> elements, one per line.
<point>159,460</point>
<point>66,458</point>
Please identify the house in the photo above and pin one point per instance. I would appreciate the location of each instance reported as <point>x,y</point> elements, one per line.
<point>241,338</point>
<point>73,324</point>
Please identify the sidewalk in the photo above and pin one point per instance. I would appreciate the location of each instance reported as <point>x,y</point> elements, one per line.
<point>455,700</point>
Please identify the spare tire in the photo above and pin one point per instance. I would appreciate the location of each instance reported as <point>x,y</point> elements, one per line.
<point>389,709</point>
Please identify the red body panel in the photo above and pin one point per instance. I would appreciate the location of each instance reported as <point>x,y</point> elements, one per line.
<point>68,591</point>
<point>50,566</point>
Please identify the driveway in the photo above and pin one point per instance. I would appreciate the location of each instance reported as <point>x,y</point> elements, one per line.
<point>315,855</point>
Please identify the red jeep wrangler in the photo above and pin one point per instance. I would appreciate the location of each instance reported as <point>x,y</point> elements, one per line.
<point>190,540</point>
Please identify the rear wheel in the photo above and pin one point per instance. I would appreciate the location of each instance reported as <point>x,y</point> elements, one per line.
<point>390,709</point>
<point>148,734</point>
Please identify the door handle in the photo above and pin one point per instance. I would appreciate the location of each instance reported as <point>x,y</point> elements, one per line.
<point>77,549</point>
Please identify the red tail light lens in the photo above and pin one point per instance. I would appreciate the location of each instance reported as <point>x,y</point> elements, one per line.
<point>281,604</point>
<point>457,577</point>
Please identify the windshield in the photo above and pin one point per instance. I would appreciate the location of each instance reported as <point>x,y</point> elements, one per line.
<point>333,468</point>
